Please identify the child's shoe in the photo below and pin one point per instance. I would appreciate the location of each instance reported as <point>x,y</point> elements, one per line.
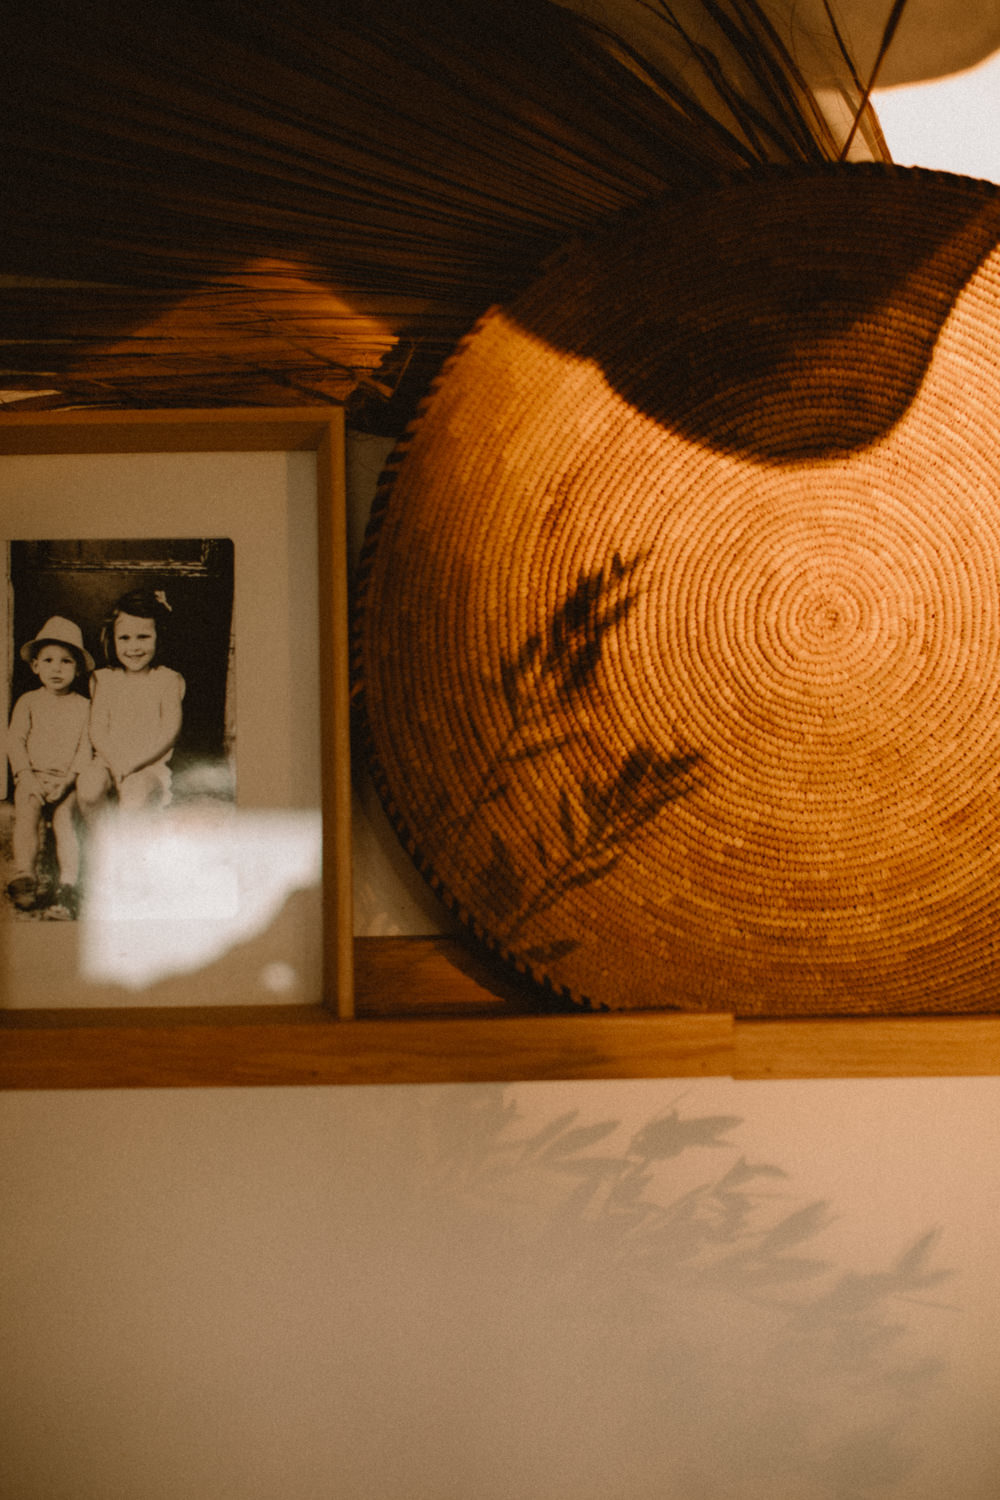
<point>45,888</point>
<point>67,898</point>
<point>22,893</point>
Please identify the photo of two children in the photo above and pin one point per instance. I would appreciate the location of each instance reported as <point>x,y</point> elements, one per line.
<point>121,665</point>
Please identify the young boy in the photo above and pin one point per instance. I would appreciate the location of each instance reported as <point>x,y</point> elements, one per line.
<point>48,745</point>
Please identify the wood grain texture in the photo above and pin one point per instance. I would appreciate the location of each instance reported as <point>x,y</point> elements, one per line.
<point>398,977</point>
<point>872,1047</point>
<point>184,1049</point>
<point>331,517</point>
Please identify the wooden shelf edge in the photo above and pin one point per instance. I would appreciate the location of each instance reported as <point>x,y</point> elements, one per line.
<point>200,1053</point>
<point>436,1015</point>
<point>867,1047</point>
<point>175,1050</point>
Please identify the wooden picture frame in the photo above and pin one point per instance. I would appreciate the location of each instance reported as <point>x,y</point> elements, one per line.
<point>286,448</point>
<point>411,1009</point>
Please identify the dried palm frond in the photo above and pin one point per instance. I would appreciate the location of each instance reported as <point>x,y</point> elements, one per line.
<point>231,192</point>
<point>746,69</point>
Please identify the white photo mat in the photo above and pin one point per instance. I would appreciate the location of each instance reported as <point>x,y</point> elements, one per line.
<point>251,928</point>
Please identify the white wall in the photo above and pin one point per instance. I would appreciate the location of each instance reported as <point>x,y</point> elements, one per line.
<point>539,1292</point>
<point>952,124</point>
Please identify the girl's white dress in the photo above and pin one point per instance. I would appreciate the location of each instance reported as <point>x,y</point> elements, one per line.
<point>133,705</point>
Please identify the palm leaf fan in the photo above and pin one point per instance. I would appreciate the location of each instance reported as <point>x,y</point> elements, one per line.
<point>221,201</point>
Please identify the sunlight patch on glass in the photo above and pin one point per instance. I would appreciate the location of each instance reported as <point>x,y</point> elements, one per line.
<point>170,893</point>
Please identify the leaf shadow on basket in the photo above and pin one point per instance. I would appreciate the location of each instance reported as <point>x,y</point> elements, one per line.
<point>582,826</point>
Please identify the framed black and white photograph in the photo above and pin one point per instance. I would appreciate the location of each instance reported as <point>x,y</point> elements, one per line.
<point>123,692</point>
<point>175,785</point>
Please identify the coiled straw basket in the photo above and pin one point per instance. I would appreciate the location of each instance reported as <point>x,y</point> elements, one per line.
<point>678,644</point>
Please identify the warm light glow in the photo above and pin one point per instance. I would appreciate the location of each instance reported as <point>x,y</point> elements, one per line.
<point>269,316</point>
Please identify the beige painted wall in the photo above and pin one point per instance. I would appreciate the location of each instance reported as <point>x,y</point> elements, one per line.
<point>563,1291</point>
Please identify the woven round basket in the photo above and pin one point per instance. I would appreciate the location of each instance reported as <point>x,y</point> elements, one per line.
<point>678,643</point>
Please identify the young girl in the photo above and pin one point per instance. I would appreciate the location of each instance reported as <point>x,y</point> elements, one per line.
<point>135,713</point>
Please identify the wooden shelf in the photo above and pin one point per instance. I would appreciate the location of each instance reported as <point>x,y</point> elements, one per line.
<point>867,1047</point>
<point>429,1012</point>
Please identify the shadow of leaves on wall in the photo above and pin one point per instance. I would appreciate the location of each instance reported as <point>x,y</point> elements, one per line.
<point>655,1312</point>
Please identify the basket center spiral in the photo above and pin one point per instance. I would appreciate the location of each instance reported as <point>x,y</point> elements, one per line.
<point>832,616</point>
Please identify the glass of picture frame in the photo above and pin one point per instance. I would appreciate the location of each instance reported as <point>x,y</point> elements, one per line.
<point>211,903</point>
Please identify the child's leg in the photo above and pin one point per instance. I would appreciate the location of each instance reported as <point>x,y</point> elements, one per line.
<point>93,786</point>
<point>27,823</point>
<point>149,787</point>
<point>67,843</point>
